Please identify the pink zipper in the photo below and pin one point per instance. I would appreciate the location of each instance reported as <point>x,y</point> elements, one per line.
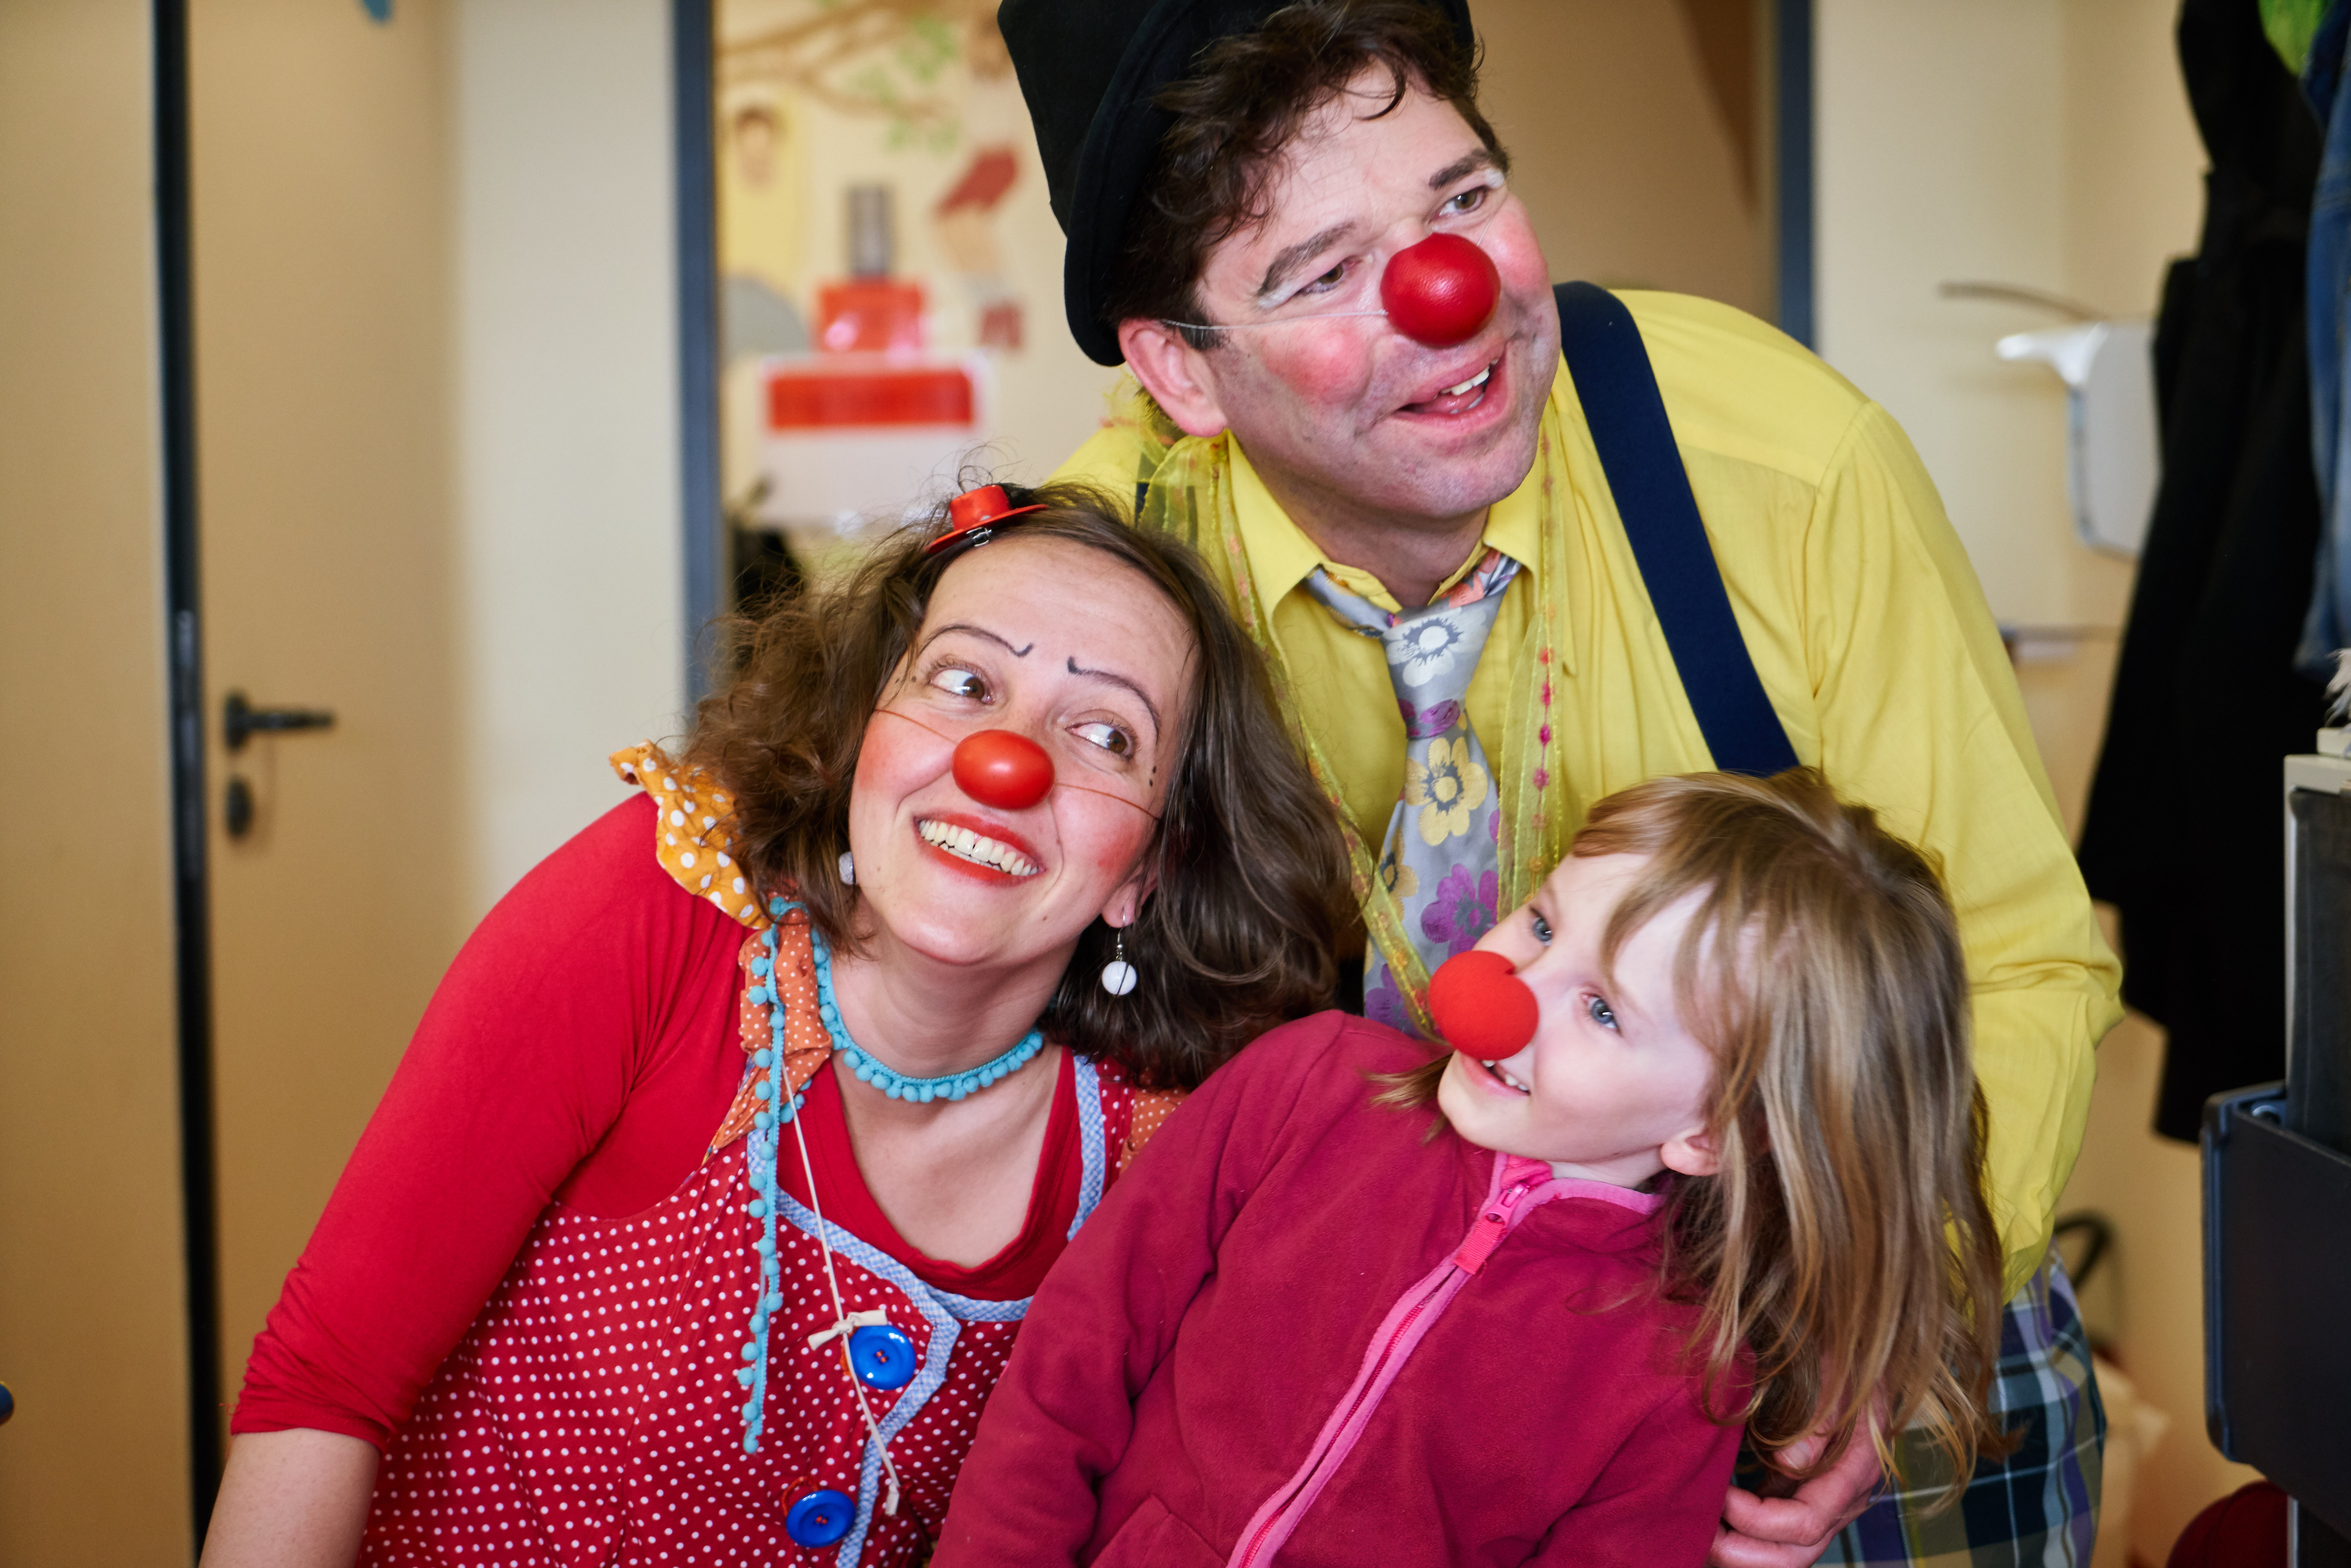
<point>1398,1335</point>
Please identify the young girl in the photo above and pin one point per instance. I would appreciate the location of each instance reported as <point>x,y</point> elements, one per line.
<point>1709,1155</point>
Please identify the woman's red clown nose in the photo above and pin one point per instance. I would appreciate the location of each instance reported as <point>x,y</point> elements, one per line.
<point>1000,768</point>
<point>1480,1006</point>
<point>1441,291</point>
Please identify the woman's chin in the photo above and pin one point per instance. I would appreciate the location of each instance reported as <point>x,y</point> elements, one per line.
<point>960,921</point>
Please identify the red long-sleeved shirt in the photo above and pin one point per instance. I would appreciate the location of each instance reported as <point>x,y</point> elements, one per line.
<point>582,1048</point>
<point>1184,1356</point>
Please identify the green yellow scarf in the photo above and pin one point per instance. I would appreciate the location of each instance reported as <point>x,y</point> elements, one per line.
<point>1189,493</point>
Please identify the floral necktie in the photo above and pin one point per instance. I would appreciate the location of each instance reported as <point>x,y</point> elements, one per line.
<point>1438,857</point>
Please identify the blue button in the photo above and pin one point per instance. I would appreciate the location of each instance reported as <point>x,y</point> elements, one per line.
<point>883,1357</point>
<point>819,1518</point>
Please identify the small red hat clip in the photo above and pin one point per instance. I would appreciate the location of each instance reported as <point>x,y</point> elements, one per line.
<point>974,516</point>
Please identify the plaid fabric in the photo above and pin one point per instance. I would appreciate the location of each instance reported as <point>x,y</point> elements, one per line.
<point>2041,1505</point>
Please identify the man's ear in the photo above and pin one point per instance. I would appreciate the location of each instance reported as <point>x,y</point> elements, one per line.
<point>1174,373</point>
<point>1691,1154</point>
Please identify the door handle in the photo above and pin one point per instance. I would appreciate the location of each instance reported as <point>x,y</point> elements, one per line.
<point>241,721</point>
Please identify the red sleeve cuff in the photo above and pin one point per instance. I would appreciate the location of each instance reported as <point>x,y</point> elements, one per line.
<point>267,1414</point>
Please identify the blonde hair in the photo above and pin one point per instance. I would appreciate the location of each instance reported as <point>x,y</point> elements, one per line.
<point>1847,1242</point>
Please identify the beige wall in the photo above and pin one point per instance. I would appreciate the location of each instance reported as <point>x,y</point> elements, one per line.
<point>572,640</point>
<point>92,1331</point>
<point>2048,143</point>
<point>1941,137</point>
<point>1624,162</point>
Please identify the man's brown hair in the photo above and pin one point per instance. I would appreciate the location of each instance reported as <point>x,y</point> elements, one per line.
<point>1242,930</point>
<point>1237,114</point>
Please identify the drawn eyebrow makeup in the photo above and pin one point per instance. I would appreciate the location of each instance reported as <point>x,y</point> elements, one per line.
<point>964,626</point>
<point>1118,680</point>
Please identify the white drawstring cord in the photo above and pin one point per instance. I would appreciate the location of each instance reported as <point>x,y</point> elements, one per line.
<point>844,1321</point>
<point>850,1325</point>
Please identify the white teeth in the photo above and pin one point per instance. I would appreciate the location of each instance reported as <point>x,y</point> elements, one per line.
<point>1496,1068</point>
<point>1476,380</point>
<point>964,844</point>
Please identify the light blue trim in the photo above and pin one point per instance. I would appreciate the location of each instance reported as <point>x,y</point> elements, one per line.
<point>928,1380</point>
<point>943,1310</point>
<point>1090,1140</point>
<point>972,1310</point>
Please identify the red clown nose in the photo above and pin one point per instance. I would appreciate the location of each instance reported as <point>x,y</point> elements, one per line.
<point>1000,768</point>
<point>1441,291</point>
<point>1480,1006</point>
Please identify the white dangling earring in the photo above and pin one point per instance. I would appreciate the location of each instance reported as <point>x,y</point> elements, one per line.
<point>1118,975</point>
<point>848,868</point>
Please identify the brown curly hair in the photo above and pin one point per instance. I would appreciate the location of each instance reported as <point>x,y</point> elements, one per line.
<point>1236,112</point>
<point>1242,930</point>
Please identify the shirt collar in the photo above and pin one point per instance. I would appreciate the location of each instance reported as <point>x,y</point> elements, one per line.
<point>1280,556</point>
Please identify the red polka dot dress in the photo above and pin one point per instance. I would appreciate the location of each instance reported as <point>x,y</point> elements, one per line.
<point>592,1412</point>
<point>593,1415</point>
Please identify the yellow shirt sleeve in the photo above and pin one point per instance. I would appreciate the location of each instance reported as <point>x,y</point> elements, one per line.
<point>1865,619</point>
<point>1919,717</point>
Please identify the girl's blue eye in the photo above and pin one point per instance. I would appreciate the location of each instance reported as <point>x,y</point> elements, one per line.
<point>1601,1013</point>
<point>1543,927</point>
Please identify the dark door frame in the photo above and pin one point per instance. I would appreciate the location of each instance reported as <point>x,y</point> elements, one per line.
<point>693,69</point>
<point>183,645</point>
<point>1792,157</point>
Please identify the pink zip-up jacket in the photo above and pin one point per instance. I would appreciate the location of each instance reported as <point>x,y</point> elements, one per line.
<point>1301,1331</point>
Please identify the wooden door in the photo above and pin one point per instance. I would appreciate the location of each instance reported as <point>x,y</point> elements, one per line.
<point>94,1466</point>
<point>322,205</point>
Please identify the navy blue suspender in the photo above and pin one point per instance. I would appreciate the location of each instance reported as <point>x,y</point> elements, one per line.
<point>1627,416</point>
<point>1627,419</point>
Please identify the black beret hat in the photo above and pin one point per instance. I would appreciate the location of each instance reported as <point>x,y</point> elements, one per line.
<point>1089,70</point>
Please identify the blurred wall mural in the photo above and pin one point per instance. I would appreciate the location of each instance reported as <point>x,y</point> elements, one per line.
<point>890,272</point>
<point>893,271</point>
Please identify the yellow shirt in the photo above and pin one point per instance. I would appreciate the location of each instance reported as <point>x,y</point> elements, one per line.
<point>1864,620</point>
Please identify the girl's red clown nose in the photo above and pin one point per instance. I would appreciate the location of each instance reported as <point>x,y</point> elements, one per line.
<point>1480,1006</point>
<point>1000,768</point>
<point>1441,291</point>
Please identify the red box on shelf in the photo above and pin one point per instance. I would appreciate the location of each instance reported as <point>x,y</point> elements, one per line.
<point>870,315</point>
<point>816,395</point>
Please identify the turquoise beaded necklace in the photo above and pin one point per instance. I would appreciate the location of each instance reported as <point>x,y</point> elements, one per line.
<point>767,1193</point>
<point>896,1085</point>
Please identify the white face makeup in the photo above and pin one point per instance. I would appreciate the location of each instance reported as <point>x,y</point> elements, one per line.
<point>1076,653</point>
<point>1343,411</point>
<point>1613,1087</point>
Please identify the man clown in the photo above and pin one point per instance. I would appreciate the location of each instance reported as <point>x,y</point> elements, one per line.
<point>1293,226</point>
